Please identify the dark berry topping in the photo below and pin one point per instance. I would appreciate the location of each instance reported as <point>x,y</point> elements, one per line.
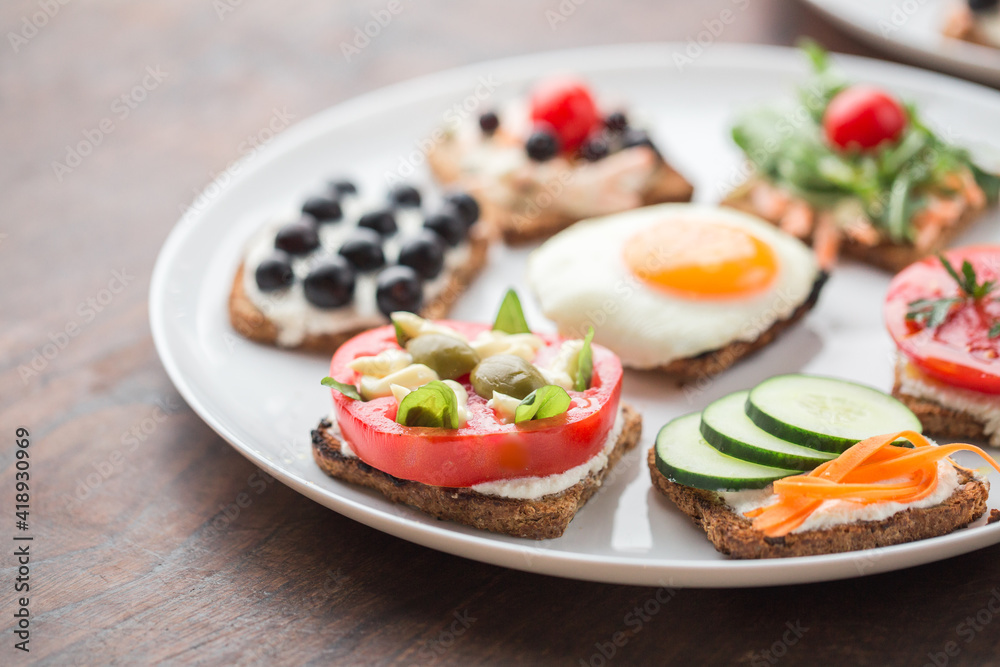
<point>982,5</point>
<point>466,205</point>
<point>448,225</point>
<point>382,221</point>
<point>634,137</point>
<point>297,238</point>
<point>404,195</point>
<point>341,187</point>
<point>489,123</point>
<point>424,253</point>
<point>542,145</point>
<point>594,149</point>
<point>616,122</point>
<point>330,284</point>
<point>398,288</point>
<point>363,249</point>
<point>323,208</point>
<point>274,272</point>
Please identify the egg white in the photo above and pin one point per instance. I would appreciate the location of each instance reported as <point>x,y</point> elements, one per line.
<point>580,279</point>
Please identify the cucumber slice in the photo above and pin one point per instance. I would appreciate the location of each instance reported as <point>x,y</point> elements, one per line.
<point>825,413</point>
<point>725,426</point>
<point>683,456</point>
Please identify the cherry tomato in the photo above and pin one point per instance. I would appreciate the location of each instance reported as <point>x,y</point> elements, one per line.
<point>567,106</point>
<point>863,117</point>
<point>485,449</point>
<point>959,352</point>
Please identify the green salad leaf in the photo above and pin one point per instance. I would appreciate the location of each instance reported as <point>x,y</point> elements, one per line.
<point>510,317</point>
<point>348,390</point>
<point>785,145</point>
<point>544,402</point>
<point>585,363</point>
<point>432,405</point>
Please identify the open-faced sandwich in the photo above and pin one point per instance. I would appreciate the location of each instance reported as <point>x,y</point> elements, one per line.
<point>944,315</point>
<point>737,470</point>
<point>976,21</point>
<point>687,289</point>
<point>493,427</point>
<point>852,169</point>
<point>540,164</point>
<point>338,265</point>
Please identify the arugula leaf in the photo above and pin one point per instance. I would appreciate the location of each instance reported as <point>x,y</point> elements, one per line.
<point>510,317</point>
<point>585,363</point>
<point>544,402</point>
<point>968,282</point>
<point>433,405</point>
<point>930,312</point>
<point>995,330</point>
<point>348,390</point>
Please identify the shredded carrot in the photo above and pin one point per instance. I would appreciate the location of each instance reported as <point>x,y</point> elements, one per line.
<point>826,240</point>
<point>872,471</point>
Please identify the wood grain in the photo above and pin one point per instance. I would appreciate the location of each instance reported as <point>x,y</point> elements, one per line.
<point>142,551</point>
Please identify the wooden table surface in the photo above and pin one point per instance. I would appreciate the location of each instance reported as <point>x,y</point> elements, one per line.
<point>130,562</point>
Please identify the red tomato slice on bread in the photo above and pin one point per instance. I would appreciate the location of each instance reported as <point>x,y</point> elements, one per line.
<point>485,449</point>
<point>959,352</point>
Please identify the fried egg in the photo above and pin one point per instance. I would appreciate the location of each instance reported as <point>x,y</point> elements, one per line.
<point>671,281</point>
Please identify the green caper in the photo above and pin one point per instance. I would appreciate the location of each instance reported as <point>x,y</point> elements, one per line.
<point>507,374</point>
<point>449,357</point>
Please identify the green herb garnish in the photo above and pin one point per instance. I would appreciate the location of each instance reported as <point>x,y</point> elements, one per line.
<point>432,405</point>
<point>585,363</point>
<point>544,402</point>
<point>932,313</point>
<point>889,184</point>
<point>348,390</point>
<point>510,317</point>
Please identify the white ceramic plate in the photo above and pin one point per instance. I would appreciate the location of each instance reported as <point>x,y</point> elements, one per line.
<point>911,29</point>
<point>264,401</point>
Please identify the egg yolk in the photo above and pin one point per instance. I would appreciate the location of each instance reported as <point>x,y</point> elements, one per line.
<point>699,260</point>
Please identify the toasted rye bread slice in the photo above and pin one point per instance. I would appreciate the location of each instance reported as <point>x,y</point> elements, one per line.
<point>707,364</point>
<point>938,420</point>
<point>889,256</point>
<point>525,221</point>
<point>250,322</point>
<point>540,519</point>
<point>735,536</point>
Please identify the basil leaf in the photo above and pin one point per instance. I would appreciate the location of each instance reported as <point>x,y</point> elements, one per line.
<point>348,390</point>
<point>544,402</point>
<point>434,405</point>
<point>510,317</point>
<point>585,363</point>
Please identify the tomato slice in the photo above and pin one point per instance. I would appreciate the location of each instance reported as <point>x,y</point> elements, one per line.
<point>959,352</point>
<point>485,449</point>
